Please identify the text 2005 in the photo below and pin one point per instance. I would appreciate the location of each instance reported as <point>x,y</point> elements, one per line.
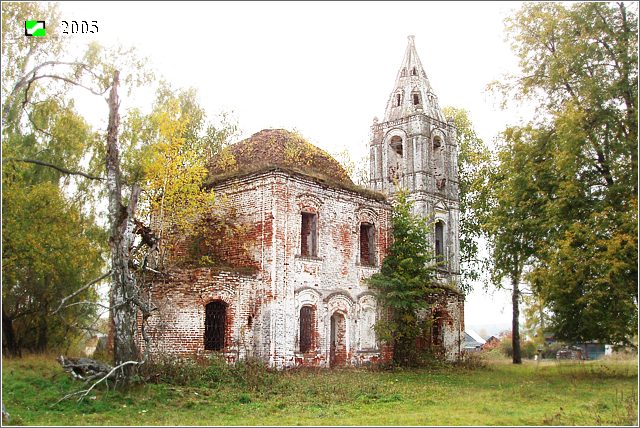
<point>82,27</point>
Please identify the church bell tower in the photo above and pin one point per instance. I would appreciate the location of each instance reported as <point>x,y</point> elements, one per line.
<point>415,148</point>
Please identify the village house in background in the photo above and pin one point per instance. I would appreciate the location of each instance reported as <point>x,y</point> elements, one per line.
<point>473,342</point>
<point>292,290</point>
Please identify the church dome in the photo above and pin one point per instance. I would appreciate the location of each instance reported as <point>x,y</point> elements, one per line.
<point>278,148</point>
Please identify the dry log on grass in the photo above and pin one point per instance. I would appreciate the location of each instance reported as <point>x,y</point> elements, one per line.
<point>89,370</point>
<point>85,368</point>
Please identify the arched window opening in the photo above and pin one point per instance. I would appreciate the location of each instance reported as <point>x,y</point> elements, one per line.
<point>403,73</point>
<point>396,145</point>
<point>309,235</point>
<point>414,71</point>
<point>366,324</point>
<point>306,328</point>
<point>337,340</point>
<point>398,99</point>
<point>438,163</point>
<point>416,99</point>
<point>367,244</point>
<point>439,241</point>
<point>214,325</point>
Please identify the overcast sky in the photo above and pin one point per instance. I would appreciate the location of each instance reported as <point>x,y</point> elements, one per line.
<point>324,69</point>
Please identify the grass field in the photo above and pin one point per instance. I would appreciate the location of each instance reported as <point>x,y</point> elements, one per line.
<point>545,393</point>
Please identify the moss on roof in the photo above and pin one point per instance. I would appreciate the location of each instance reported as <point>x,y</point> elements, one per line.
<point>314,176</point>
<point>277,147</point>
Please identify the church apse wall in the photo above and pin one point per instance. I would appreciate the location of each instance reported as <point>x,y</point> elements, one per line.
<point>306,303</point>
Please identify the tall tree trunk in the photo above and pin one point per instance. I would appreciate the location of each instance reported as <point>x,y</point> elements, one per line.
<point>9,345</point>
<point>515,323</point>
<point>123,286</point>
<point>43,329</point>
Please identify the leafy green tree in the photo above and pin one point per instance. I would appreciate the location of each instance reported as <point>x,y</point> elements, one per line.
<point>508,218</point>
<point>40,120</point>
<point>405,282</point>
<point>50,250</point>
<point>493,206</point>
<point>19,53</point>
<point>51,244</point>
<point>169,151</point>
<point>474,163</point>
<point>165,155</point>
<point>536,318</point>
<point>579,64</point>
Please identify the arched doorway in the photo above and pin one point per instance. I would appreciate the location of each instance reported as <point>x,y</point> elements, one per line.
<point>338,346</point>
<point>215,322</point>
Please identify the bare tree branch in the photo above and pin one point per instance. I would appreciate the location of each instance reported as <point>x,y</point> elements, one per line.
<point>58,168</point>
<point>73,82</point>
<point>86,392</point>
<point>80,290</point>
<point>87,302</point>
<point>25,80</point>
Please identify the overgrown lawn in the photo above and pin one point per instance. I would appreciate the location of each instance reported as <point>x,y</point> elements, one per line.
<point>546,393</point>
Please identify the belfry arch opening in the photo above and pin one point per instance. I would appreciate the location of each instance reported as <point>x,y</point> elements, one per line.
<point>438,163</point>
<point>396,145</point>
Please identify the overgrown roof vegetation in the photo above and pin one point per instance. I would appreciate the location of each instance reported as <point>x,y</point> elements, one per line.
<point>279,149</point>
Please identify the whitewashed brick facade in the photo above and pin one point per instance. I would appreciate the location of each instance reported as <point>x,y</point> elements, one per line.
<point>263,309</point>
<point>313,242</point>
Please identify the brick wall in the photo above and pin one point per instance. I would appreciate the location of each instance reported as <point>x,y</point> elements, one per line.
<point>263,309</point>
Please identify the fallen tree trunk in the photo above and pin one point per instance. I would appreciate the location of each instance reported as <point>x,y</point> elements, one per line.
<point>84,369</point>
<point>89,370</point>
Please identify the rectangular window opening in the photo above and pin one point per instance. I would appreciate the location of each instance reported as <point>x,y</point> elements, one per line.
<point>436,329</point>
<point>439,241</point>
<point>306,329</point>
<point>309,235</point>
<point>367,245</point>
<point>416,99</point>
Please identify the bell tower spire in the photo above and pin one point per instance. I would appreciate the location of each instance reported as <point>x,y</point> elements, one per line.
<point>412,91</point>
<point>414,148</point>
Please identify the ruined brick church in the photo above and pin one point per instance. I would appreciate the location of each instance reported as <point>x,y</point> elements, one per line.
<point>313,237</point>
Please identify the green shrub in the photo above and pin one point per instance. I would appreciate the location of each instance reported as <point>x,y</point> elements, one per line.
<point>253,374</point>
<point>550,351</point>
<point>528,349</point>
<point>244,398</point>
<point>494,354</point>
<point>172,370</point>
<point>472,361</point>
<point>208,371</point>
<point>217,369</point>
